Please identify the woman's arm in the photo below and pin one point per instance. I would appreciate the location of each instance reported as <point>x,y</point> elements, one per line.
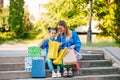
<point>77,42</point>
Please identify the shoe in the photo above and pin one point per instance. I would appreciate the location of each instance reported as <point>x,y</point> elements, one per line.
<point>59,74</point>
<point>54,75</point>
<point>70,73</point>
<point>65,73</point>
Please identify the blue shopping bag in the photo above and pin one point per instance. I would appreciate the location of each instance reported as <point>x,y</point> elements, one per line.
<point>38,68</point>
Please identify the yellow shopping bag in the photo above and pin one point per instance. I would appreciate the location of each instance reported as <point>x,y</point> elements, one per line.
<point>62,53</point>
<point>53,49</point>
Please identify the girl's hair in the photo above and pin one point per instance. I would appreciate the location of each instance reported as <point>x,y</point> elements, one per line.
<point>51,28</point>
<point>62,23</point>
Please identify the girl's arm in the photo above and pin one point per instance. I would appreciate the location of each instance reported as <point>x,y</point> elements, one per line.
<point>43,44</point>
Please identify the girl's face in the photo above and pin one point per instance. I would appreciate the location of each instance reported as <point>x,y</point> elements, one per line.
<point>61,29</point>
<point>53,33</point>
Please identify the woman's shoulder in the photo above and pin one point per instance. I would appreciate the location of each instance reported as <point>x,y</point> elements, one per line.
<point>74,32</point>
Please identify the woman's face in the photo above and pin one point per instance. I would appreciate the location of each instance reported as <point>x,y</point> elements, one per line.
<point>53,33</point>
<point>61,29</point>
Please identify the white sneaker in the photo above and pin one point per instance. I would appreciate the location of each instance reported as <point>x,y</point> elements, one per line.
<point>54,75</point>
<point>59,74</point>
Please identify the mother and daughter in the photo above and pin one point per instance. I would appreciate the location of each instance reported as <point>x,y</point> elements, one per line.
<point>68,39</point>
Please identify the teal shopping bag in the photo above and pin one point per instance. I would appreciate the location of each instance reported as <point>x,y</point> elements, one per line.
<point>34,51</point>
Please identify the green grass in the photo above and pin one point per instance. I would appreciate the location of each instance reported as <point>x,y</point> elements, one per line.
<point>100,42</point>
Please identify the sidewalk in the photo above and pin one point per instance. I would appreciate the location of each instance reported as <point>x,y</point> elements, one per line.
<point>14,47</point>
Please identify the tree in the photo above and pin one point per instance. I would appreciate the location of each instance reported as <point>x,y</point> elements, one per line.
<point>116,27</point>
<point>16,17</point>
<point>74,12</point>
<point>4,27</point>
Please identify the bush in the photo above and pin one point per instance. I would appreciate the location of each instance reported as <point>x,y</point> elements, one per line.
<point>6,36</point>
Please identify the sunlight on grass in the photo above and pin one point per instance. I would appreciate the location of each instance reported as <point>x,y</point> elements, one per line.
<point>102,42</point>
<point>99,42</point>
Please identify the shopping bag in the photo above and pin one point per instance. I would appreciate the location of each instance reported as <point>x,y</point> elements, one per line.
<point>76,65</point>
<point>53,49</point>
<point>34,51</point>
<point>38,68</point>
<point>28,63</point>
<point>62,53</point>
<point>70,57</point>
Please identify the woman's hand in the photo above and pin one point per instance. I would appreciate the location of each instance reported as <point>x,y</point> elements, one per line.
<point>79,56</point>
<point>72,47</point>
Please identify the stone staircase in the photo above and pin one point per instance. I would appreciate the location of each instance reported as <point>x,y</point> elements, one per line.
<point>93,66</point>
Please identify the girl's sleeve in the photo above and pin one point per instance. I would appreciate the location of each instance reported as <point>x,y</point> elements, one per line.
<point>77,42</point>
<point>44,45</point>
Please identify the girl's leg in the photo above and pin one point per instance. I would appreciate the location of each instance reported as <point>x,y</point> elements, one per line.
<point>58,71</point>
<point>50,65</point>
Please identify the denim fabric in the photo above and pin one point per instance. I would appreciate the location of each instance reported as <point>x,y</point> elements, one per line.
<point>50,65</point>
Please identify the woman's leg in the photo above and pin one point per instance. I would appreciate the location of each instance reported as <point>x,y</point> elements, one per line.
<point>70,72</point>
<point>65,72</point>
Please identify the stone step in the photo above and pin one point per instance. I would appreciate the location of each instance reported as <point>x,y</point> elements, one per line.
<point>25,75</point>
<point>88,77</point>
<point>12,66</point>
<point>83,64</point>
<point>92,51</point>
<point>99,71</point>
<point>94,63</point>
<point>13,59</point>
<point>87,56</point>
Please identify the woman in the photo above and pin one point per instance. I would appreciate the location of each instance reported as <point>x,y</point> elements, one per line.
<point>69,39</point>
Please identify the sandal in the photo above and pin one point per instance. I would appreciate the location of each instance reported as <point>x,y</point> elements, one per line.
<point>70,73</point>
<point>65,73</point>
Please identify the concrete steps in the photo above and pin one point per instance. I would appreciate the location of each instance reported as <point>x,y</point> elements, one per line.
<point>98,71</point>
<point>14,58</point>
<point>88,77</point>
<point>81,72</point>
<point>93,66</point>
<point>83,63</point>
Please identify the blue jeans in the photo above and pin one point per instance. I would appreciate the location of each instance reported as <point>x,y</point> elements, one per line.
<point>50,65</point>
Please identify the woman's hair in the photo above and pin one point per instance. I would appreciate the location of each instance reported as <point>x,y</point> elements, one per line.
<point>62,23</point>
<point>51,28</point>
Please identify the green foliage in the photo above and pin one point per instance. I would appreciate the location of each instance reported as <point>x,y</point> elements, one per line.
<point>16,17</point>
<point>41,28</point>
<point>28,26</point>
<point>104,14</point>
<point>29,32</point>
<point>6,36</point>
<point>107,13</point>
<point>4,27</point>
<point>116,27</point>
<point>74,12</point>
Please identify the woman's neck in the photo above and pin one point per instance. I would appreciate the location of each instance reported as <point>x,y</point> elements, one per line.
<point>67,32</point>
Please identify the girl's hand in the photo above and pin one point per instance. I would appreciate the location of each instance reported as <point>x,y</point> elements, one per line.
<point>60,43</point>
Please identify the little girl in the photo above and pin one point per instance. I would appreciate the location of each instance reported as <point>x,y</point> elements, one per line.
<point>44,45</point>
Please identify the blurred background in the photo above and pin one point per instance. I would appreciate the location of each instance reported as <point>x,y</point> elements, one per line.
<point>26,21</point>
